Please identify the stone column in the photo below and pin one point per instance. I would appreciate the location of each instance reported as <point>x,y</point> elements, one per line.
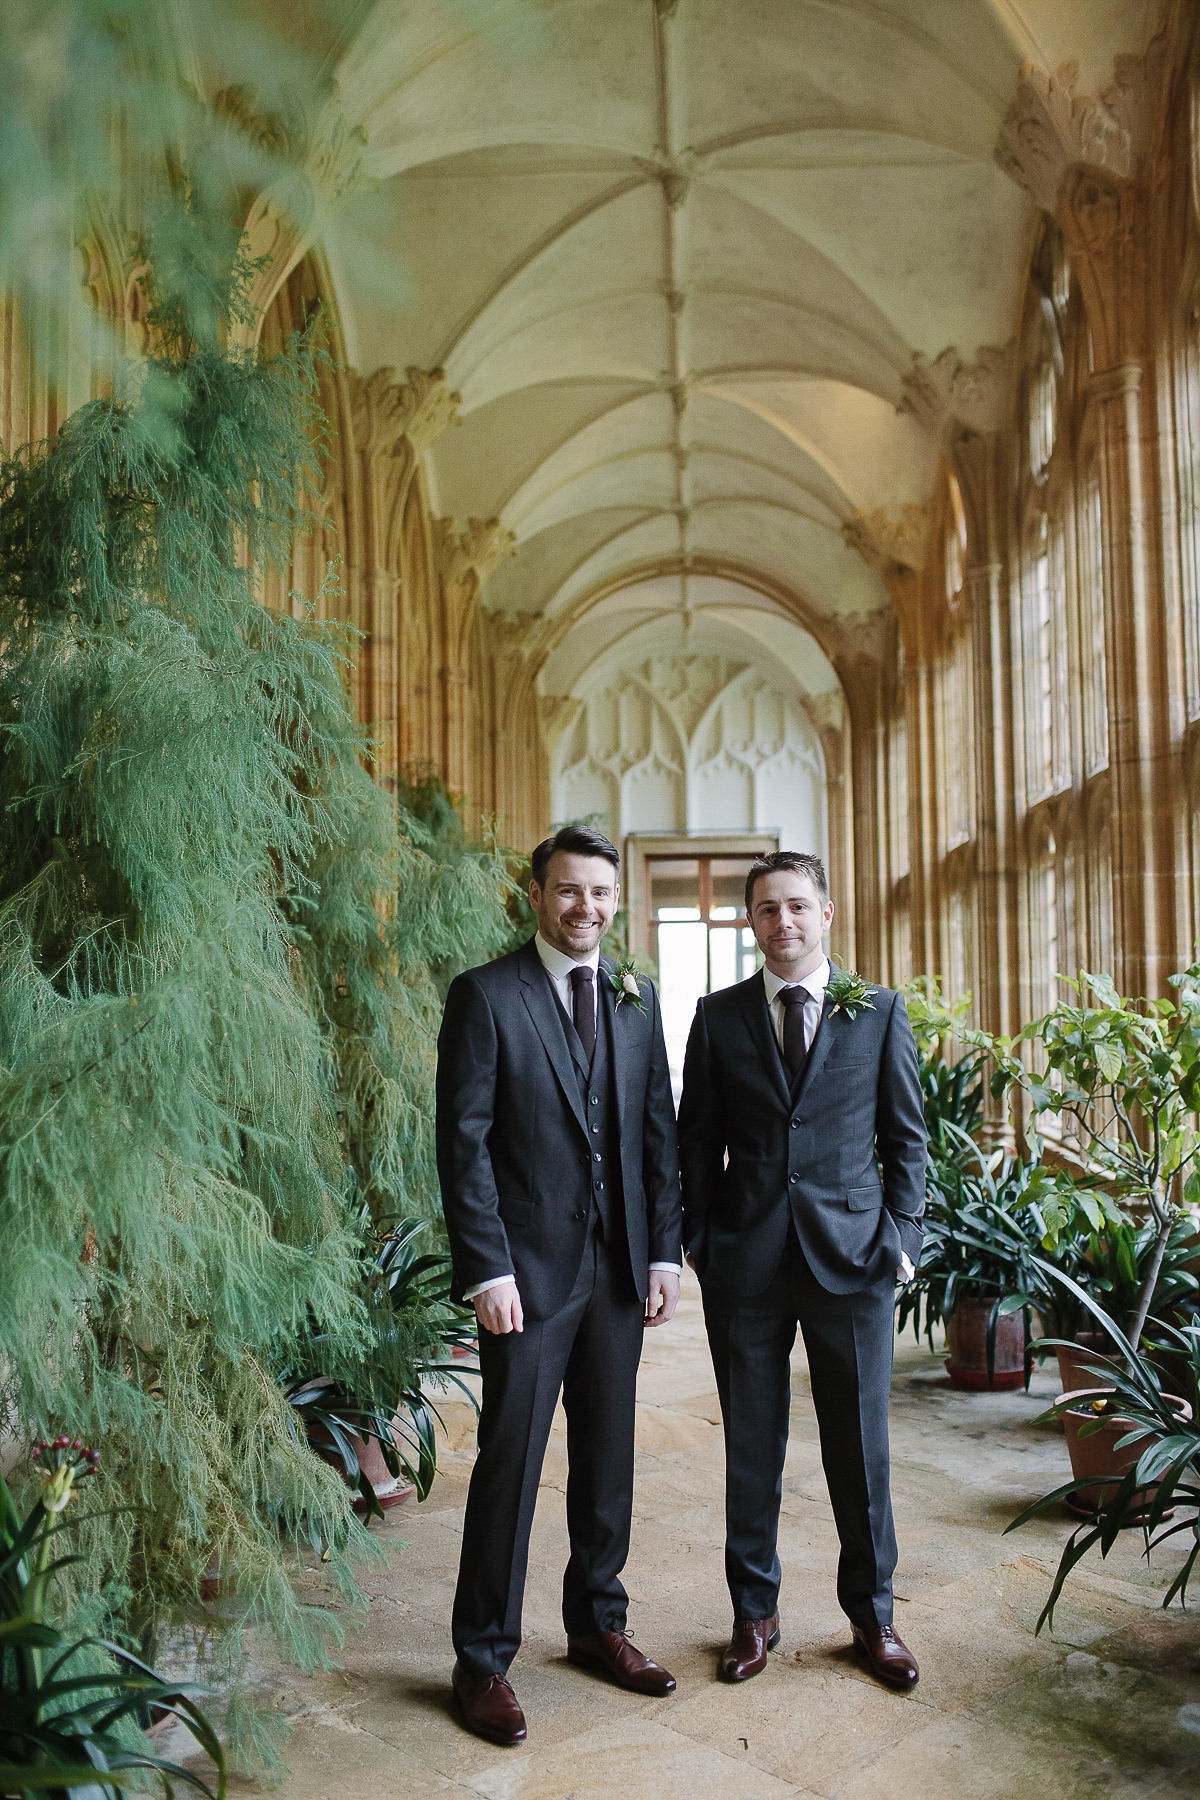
<point>394,423</point>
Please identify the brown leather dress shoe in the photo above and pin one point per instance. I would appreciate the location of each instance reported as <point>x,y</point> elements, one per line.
<point>890,1659</point>
<point>488,1706</point>
<point>747,1652</point>
<point>612,1653</point>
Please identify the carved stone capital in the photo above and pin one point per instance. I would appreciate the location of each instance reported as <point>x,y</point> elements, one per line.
<point>975,394</point>
<point>890,537</point>
<point>385,410</point>
<point>514,633</point>
<point>313,160</point>
<point>1049,129</point>
<point>476,551</point>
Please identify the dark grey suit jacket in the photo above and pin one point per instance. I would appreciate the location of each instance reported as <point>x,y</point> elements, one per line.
<point>754,1151</point>
<point>514,1157</point>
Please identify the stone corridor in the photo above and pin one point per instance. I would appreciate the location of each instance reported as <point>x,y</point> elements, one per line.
<point>1108,1706</point>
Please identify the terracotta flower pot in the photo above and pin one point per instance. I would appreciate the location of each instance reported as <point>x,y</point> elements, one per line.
<point>966,1340</point>
<point>1097,1455</point>
<point>1071,1370</point>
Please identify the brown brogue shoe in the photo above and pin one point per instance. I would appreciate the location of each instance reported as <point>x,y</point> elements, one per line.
<point>612,1653</point>
<point>488,1706</point>
<point>890,1659</point>
<point>747,1652</point>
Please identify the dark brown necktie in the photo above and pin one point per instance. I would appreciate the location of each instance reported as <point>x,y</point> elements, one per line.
<point>583,1004</point>
<point>795,1051</point>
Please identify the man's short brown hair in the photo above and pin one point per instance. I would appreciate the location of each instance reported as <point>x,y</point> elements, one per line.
<point>799,862</point>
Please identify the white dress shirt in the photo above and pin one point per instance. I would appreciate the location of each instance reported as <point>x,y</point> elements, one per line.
<point>815,982</point>
<point>558,967</point>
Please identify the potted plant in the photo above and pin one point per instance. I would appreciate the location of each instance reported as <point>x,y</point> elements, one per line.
<point>976,1274</point>
<point>69,1709</point>
<point>1125,1075</point>
<point>1152,1476</point>
<point>370,1414</point>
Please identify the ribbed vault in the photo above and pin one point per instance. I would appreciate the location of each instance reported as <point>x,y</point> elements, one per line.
<point>679,258</point>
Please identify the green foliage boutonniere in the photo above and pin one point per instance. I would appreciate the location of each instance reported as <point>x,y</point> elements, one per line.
<point>624,983</point>
<point>848,990</point>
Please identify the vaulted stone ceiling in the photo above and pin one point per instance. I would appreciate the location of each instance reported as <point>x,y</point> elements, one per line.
<point>678,257</point>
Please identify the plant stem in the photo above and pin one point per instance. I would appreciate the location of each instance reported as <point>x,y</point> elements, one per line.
<point>1151,1281</point>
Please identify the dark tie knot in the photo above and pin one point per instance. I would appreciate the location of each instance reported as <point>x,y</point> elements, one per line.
<point>581,979</point>
<point>794,996</point>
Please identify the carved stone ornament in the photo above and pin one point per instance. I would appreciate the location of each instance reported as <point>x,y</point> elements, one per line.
<point>478,550</point>
<point>314,161</point>
<point>114,278</point>
<point>975,394</point>
<point>890,537</point>
<point>385,410</point>
<point>1049,128</point>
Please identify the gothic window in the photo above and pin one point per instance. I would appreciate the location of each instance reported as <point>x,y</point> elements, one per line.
<point>1100,907</point>
<point>1091,628</point>
<point>898,794</point>
<point>1043,370</point>
<point>1189,507</point>
<point>1044,929</point>
<point>957,737</point>
<point>1047,747</point>
<point>956,544</point>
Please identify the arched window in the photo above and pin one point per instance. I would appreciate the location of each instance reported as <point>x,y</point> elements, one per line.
<point>957,731</point>
<point>1044,604</point>
<point>1091,627</point>
<point>956,544</point>
<point>1043,408</point>
<point>1044,929</point>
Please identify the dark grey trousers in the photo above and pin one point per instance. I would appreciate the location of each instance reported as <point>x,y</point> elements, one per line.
<point>590,1350</point>
<point>849,1339</point>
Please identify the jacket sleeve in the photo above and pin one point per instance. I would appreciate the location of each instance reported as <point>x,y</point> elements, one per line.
<point>466,1099</point>
<point>900,1137</point>
<point>702,1135</point>
<point>660,1148</point>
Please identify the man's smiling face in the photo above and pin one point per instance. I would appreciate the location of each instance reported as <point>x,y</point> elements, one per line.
<point>575,907</point>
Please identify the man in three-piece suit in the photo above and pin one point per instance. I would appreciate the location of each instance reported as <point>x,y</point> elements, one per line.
<point>560,1184</point>
<point>802,1145</point>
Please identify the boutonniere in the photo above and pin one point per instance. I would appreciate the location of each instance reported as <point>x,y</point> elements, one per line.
<point>848,990</point>
<point>624,983</point>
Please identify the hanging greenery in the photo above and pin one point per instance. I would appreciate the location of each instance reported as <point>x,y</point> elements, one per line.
<point>214,1020</point>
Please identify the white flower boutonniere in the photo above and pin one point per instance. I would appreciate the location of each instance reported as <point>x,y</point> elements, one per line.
<point>624,984</point>
<point>848,990</point>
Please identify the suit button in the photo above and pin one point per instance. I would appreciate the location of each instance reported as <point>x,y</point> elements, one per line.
<point>599,1187</point>
<point>596,1128</point>
<point>596,1156</point>
<point>580,1214</point>
<point>795,1124</point>
<point>794,1179</point>
<point>595,1100</point>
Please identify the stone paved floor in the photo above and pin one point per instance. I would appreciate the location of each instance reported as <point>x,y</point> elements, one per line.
<point>1109,1705</point>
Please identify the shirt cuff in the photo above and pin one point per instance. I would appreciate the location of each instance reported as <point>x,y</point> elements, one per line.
<point>674,1268</point>
<point>483,1286</point>
<point>906,1271</point>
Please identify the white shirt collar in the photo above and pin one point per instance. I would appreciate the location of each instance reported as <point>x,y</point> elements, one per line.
<point>816,981</point>
<point>558,965</point>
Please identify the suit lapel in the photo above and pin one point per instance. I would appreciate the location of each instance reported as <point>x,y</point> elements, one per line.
<point>545,1012</point>
<point>758,1023</point>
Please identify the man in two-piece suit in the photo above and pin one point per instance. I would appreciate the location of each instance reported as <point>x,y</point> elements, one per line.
<point>802,1147</point>
<point>560,1185</point>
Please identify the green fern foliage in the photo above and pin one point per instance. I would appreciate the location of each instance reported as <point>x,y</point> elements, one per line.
<point>194,864</point>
